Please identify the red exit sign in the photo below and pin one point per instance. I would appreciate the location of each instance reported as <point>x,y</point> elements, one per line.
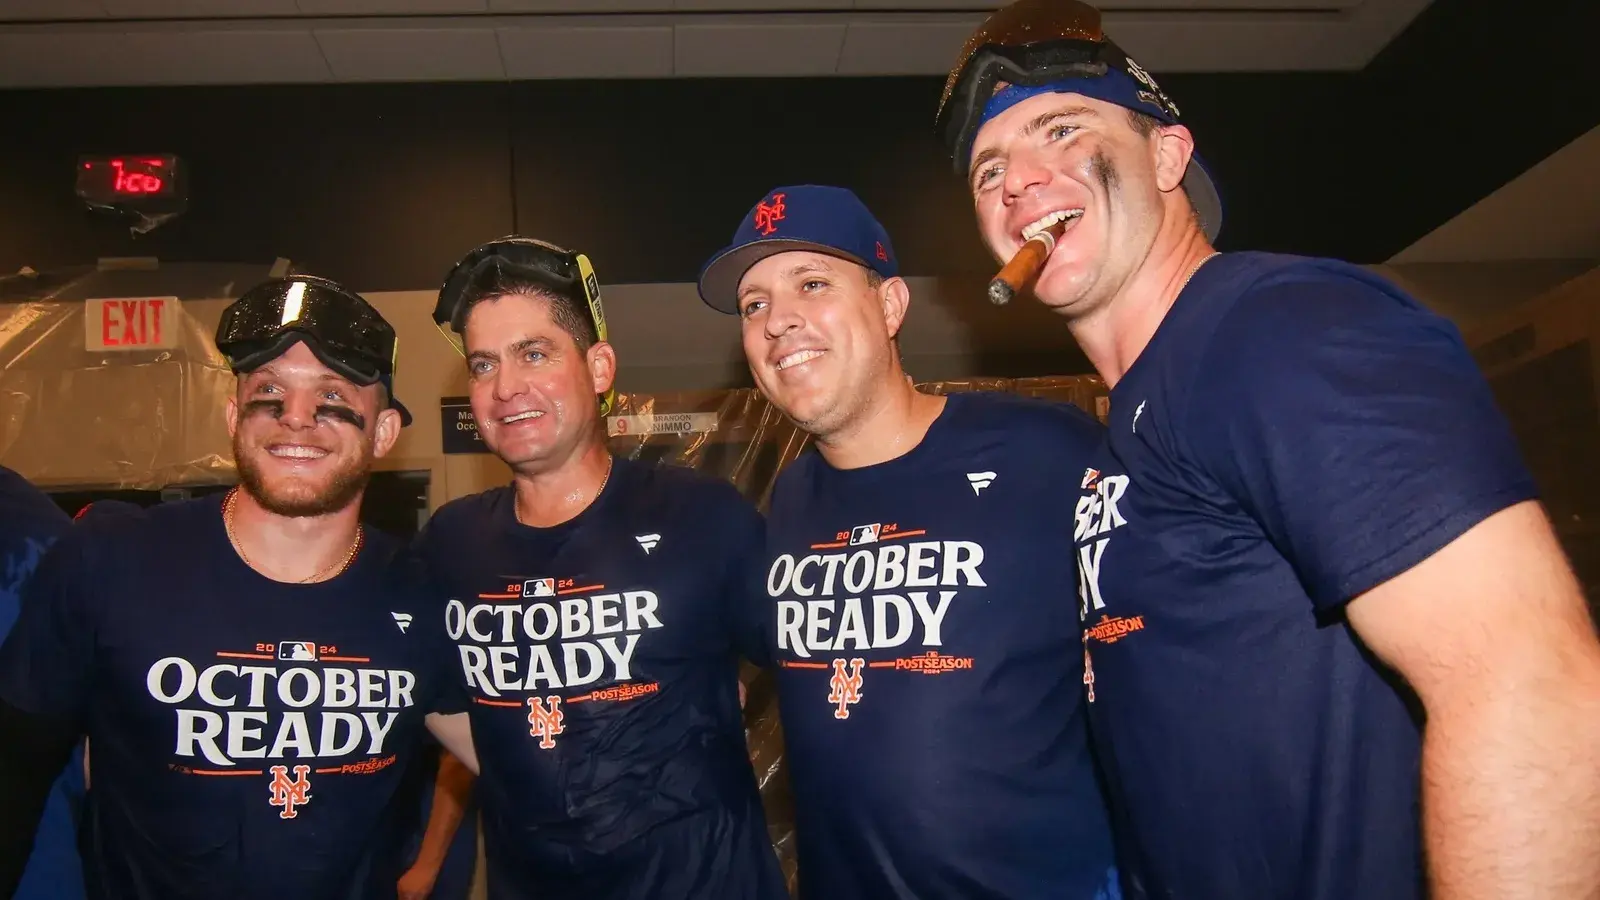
<point>131,323</point>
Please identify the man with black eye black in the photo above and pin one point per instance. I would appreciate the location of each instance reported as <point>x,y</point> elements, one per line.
<point>244,665</point>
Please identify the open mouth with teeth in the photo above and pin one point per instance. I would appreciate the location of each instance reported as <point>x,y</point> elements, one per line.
<point>296,452</point>
<point>527,416</point>
<point>1070,216</point>
<point>799,357</point>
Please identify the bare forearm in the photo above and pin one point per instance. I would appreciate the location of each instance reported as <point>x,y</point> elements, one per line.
<point>1511,793</point>
<point>451,792</point>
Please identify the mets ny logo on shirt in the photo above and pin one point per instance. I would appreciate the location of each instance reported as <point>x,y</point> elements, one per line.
<point>887,591</point>
<point>543,634</point>
<point>324,706</point>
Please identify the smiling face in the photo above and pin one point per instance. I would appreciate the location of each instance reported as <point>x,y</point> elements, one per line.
<point>304,437</point>
<point>1065,157</point>
<point>533,390</point>
<point>818,333</point>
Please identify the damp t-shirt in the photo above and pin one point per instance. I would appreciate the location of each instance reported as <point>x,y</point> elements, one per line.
<point>1296,433</point>
<point>247,738</point>
<point>601,659</point>
<point>29,523</point>
<point>921,616</point>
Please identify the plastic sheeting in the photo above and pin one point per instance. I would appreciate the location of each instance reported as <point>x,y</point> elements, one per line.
<point>79,406</point>
<point>739,436</point>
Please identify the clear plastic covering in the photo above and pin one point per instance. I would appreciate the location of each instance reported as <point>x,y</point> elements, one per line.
<point>107,376</point>
<point>739,436</point>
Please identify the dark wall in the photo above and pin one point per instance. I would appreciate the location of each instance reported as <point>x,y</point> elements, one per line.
<point>384,186</point>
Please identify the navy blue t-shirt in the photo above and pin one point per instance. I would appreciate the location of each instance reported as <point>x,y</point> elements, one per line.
<point>929,661</point>
<point>1296,433</point>
<point>247,738</point>
<point>29,523</point>
<point>601,658</point>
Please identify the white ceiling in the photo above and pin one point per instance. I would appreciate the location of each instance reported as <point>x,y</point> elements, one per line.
<point>77,43</point>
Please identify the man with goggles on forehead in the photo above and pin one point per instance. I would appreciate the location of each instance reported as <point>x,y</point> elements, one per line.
<point>242,664</point>
<point>1306,488</point>
<point>594,605</point>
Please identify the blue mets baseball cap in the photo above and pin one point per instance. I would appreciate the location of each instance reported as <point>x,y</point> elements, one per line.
<point>830,220</point>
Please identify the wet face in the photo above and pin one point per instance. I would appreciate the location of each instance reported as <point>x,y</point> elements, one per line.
<point>1066,157</point>
<point>534,392</point>
<point>304,437</point>
<point>817,334</point>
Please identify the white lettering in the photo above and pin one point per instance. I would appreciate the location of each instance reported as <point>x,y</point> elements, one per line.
<point>641,610</point>
<point>293,732</point>
<point>852,627</point>
<point>158,673</point>
<point>923,556</point>
<point>331,745</point>
<point>240,726</point>
<point>551,622</point>
<point>200,728</point>
<point>208,691</point>
<point>312,690</point>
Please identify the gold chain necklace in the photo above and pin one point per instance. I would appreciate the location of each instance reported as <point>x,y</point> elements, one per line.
<point>516,506</point>
<point>1190,276</point>
<point>330,572</point>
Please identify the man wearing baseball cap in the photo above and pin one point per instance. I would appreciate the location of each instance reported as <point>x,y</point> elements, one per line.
<point>1306,490</point>
<point>914,598</point>
<point>592,603</point>
<point>243,664</point>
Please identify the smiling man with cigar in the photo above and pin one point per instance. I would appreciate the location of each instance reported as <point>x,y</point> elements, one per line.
<point>915,593</point>
<point>1306,490</point>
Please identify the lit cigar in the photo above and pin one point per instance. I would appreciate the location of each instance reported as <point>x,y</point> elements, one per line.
<point>1020,273</point>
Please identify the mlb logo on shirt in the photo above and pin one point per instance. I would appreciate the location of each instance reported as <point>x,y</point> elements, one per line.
<point>297,651</point>
<point>539,587</point>
<point>864,534</point>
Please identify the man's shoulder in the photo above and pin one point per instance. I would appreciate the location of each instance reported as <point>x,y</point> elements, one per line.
<point>689,488</point>
<point>1264,289</point>
<point>467,509</point>
<point>1053,422</point>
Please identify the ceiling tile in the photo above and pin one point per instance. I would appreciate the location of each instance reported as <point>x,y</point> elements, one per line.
<point>390,7</point>
<point>758,5</point>
<point>57,59</point>
<point>759,49</point>
<point>583,6</point>
<point>903,48</point>
<point>189,9</point>
<point>411,54</point>
<point>642,51</point>
<point>222,57</point>
<point>34,10</point>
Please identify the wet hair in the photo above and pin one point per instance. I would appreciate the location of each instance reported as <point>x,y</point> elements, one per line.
<point>570,314</point>
<point>1143,124</point>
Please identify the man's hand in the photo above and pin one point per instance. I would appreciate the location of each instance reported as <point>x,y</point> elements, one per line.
<point>1493,635</point>
<point>417,882</point>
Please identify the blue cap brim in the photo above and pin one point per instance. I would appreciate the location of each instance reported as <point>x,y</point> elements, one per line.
<point>719,279</point>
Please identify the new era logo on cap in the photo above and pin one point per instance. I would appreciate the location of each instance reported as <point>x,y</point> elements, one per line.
<point>819,218</point>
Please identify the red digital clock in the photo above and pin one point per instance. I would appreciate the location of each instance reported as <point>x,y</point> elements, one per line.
<point>128,180</point>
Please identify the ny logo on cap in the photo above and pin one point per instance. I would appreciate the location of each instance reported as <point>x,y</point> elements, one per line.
<point>769,214</point>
